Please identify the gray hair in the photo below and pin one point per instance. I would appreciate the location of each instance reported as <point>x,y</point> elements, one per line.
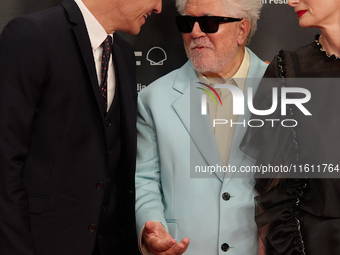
<point>247,9</point>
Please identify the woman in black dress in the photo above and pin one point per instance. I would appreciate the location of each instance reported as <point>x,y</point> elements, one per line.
<point>300,215</point>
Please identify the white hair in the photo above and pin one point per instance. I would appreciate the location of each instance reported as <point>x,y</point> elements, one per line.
<point>247,9</point>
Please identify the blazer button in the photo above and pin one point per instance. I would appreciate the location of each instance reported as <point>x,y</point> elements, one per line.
<point>100,185</point>
<point>108,123</point>
<point>92,228</point>
<point>226,196</point>
<point>225,247</point>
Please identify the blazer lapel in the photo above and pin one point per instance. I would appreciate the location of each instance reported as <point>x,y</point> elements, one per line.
<point>127,90</point>
<point>126,82</point>
<point>84,43</point>
<point>188,109</point>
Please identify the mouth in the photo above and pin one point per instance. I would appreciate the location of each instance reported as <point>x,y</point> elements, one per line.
<point>146,15</point>
<point>300,13</point>
<point>201,45</point>
<point>199,48</point>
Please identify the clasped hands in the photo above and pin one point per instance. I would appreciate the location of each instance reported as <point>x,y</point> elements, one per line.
<point>159,242</point>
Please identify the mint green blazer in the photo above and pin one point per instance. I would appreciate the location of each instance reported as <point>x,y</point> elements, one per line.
<point>173,138</point>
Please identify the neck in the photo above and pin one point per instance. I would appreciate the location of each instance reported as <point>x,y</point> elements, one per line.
<point>101,14</point>
<point>330,41</point>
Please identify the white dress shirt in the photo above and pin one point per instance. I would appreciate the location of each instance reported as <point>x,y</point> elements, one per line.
<point>97,36</point>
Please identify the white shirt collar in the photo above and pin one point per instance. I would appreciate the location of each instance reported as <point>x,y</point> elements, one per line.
<point>242,73</point>
<point>95,30</point>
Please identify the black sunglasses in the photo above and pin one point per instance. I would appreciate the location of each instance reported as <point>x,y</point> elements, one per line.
<point>208,24</point>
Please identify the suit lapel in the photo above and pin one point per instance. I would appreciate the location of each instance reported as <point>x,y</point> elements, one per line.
<point>127,89</point>
<point>126,82</point>
<point>188,109</point>
<point>85,47</point>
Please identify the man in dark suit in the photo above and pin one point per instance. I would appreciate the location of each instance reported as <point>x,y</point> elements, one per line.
<point>68,129</point>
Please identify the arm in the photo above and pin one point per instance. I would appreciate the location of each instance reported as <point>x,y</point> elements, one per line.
<point>21,84</point>
<point>150,218</point>
<point>149,205</point>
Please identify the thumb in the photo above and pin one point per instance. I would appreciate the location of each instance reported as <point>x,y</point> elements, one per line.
<point>150,226</point>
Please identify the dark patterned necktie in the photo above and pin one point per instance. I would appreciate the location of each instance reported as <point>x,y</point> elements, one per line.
<point>107,50</point>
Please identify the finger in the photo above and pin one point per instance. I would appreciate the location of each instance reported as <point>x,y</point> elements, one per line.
<point>169,243</point>
<point>181,247</point>
<point>156,245</point>
<point>150,226</point>
<point>186,241</point>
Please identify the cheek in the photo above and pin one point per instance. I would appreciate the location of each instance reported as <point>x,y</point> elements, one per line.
<point>215,41</point>
<point>224,46</point>
<point>186,39</point>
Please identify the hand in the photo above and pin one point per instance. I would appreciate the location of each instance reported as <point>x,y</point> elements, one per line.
<point>158,241</point>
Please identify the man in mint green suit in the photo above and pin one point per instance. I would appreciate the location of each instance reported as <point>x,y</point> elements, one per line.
<point>179,210</point>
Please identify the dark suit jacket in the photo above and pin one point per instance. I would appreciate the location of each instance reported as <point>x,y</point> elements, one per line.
<point>53,147</point>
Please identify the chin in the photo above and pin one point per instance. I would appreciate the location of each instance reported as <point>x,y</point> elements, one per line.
<point>201,66</point>
<point>304,24</point>
<point>134,31</point>
<point>200,63</point>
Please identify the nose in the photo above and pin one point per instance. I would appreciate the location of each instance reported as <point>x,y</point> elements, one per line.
<point>158,7</point>
<point>293,3</point>
<point>196,31</point>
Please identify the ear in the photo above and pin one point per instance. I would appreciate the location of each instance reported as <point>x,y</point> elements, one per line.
<point>244,28</point>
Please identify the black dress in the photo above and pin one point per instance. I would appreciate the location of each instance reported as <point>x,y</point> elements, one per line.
<point>300,215</point>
